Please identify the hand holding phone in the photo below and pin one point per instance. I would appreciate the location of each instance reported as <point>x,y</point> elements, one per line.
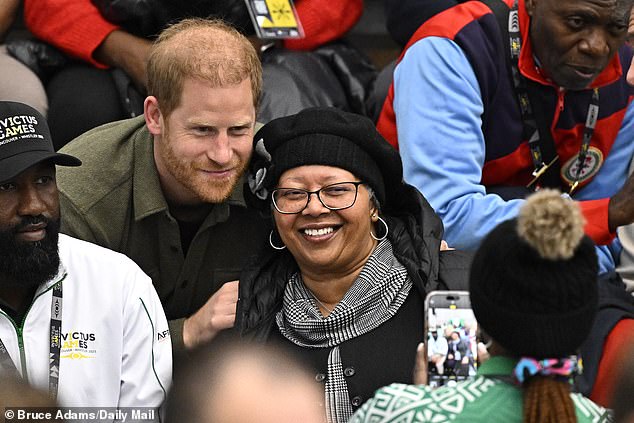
<point>420,367</point>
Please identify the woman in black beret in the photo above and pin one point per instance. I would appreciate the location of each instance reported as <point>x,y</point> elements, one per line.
<point>353,254</point>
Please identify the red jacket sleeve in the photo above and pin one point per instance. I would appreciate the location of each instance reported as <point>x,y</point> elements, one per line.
<point>618,342</point>
<point>596,214</point>
<point>324,21</point>
<point>74,26</point>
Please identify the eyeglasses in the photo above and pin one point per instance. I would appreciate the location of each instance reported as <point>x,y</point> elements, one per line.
<point>337,196</point>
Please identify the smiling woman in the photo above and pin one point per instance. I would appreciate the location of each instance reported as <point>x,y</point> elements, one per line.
<point>329,237</point>
<point>353,254</point>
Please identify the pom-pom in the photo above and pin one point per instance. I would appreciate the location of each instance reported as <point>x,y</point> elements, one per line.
<point>551,224</point>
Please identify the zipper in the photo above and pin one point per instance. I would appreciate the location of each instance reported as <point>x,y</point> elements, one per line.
<point>561,92</point>
<point>25,373</point>
<point>20,329</point>
<point>561,95</point>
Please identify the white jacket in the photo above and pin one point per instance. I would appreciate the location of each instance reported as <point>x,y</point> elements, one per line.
<point>115,349</point>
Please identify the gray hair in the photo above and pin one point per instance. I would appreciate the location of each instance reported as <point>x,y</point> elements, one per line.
<point>373,197</point>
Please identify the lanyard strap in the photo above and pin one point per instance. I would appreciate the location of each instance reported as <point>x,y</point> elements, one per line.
<point>531,129</point>
<point>588,131</point>
<point>56,340</point>
<point>8,366</point>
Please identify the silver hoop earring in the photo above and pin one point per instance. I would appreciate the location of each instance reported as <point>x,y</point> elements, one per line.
<point>386,231</point>
<point>273,245</point>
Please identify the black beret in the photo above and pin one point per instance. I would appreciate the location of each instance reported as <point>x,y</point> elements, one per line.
<point>324,136</point>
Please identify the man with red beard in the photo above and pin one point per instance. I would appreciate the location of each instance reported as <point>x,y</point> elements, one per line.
<point>166,188</point>
<point>76,319</point>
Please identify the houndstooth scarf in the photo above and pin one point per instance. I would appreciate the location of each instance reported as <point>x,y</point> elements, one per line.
<point>374,297</point>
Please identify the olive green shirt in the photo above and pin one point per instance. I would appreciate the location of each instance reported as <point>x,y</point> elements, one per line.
<point>115,200</point>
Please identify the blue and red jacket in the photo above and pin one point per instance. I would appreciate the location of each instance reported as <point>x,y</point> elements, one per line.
<point>453,112</point>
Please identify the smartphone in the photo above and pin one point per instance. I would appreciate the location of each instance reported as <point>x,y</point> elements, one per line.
<point>451,345</point>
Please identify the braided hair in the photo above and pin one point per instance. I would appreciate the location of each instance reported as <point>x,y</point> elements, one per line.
<point>554,228</point>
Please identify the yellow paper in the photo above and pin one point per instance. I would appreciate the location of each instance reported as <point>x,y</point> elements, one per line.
<point>281,15</point>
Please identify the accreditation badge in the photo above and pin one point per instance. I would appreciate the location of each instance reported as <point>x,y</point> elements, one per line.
<point>275,19</point>
<point>590,166</point>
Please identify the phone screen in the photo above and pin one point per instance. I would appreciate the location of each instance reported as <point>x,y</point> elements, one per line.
<point>451,338</point>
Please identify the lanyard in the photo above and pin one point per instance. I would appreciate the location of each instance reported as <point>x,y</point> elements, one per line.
<point>531,130</point>
<point>7,365</point>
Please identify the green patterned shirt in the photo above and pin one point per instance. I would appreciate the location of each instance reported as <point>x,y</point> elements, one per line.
<point>483,399</point>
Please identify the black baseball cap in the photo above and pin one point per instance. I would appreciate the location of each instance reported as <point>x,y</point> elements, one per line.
<point>25,140</point>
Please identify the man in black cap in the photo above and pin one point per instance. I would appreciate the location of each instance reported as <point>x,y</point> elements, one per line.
<point>76,319</point>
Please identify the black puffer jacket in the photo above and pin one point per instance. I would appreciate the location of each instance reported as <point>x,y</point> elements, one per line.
<point>415,233</point>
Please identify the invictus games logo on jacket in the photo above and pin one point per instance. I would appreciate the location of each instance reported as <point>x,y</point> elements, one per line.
<point>17,127</point>
<point>590,166</point>
<point>77,345</point>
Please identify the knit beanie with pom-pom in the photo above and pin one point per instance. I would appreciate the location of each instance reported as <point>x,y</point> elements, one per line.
<point>533,281</point>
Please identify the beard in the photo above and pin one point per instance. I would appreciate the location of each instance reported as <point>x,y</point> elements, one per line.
<point>29,264</point>
<point>187,174</point>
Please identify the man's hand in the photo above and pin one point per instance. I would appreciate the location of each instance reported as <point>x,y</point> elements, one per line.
<point>621,206</point>
<point>218,313</point>
<point>128,52</point>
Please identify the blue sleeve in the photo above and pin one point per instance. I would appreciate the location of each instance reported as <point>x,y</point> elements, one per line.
<point>438,110</point>
<point>609,180</point>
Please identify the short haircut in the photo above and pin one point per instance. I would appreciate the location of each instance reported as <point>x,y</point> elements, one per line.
<point>210,370</point>
<point>205,49</point>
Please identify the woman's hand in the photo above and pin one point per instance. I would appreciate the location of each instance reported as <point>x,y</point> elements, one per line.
<point>420,365</point>
<point>444,246</point>
<point>483,353</point>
